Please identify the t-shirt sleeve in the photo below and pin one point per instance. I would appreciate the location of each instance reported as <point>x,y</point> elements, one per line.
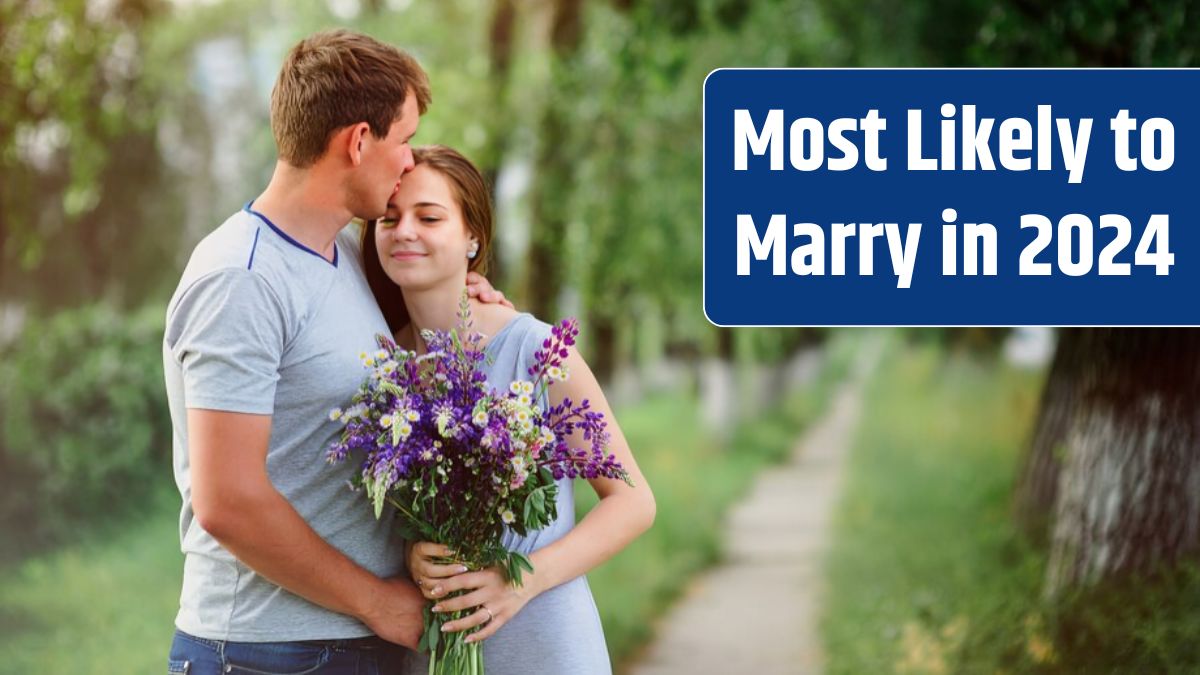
<point>227,333</point>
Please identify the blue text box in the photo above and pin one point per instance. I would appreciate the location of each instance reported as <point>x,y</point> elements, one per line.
<point>1068,282</point>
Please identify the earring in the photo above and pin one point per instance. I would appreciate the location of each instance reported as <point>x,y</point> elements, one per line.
<point>473,252</point>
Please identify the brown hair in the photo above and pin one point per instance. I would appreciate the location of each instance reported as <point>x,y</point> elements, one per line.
<point>474,200</point>
<point>334,79</point>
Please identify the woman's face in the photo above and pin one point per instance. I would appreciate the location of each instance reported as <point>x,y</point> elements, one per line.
<point>422,240</point>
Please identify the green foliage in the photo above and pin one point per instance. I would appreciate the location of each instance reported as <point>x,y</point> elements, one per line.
<point>976,340</point>
<point>1087,33</point>
<point>84,428</point>
<point>1153,620</point>
<point>105,604</point>
<point>78,150</point>
<point>63,612</point>
<point>929,574</point>
<point>1018,33</point>
<point>695,479</point>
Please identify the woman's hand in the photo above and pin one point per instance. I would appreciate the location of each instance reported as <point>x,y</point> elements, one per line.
<point>483,589</point>
<point>497,600</point>
<point>428,567</point>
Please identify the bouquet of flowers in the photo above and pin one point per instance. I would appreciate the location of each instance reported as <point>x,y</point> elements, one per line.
<point>460,462</point>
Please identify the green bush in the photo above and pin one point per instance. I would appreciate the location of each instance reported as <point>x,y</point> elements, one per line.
<point>84,425</point>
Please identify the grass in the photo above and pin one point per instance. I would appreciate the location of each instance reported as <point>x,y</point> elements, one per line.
<point>927,573</point>
<point>107,604</point>
<point>696,478</point>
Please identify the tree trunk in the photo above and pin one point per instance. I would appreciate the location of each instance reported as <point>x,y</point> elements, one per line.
<point>602,334</point>
<point>1129,487</point>
<point>555,175</point>
<point>500,54</point>
<point>1037,485</point>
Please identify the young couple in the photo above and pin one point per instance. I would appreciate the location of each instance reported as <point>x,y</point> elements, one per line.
<point>286,570</point>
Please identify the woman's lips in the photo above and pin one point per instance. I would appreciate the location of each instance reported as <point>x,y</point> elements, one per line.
<point>407,255</point>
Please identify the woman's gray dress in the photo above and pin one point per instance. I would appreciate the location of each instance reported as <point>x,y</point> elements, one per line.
<point>559,631</point>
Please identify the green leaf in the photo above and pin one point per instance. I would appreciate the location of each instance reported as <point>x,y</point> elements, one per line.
<point>378,493</point>
<point>423,643</point>
<point>435,633</point>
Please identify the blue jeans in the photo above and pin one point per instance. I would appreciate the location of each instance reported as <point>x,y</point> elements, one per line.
<point>192,655</point>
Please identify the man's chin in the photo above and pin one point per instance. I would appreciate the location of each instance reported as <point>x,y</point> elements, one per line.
<point>370,214</point>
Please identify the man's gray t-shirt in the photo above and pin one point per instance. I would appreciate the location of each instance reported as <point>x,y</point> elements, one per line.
<point>260,324</point>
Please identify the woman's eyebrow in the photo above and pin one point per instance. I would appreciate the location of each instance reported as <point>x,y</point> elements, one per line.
<point>419,204</point>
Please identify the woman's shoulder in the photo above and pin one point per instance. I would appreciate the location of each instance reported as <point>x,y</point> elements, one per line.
<point>490,320</point>
<point>510,328</point>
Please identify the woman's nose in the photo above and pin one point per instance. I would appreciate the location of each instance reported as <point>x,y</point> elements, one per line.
<point>404,229</point>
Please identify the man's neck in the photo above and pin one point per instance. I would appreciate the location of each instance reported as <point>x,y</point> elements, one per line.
<point>306,206</point>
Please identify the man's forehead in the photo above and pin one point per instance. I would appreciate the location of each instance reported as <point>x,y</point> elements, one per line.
<point>410,114</point>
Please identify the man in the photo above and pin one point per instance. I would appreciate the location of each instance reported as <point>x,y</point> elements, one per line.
<point>284,570</point>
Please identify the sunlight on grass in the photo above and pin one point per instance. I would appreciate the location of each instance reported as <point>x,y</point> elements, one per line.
<point>108,604</point>
<point>925,562</point>
<point>101,607</point>
<point>928,574</point>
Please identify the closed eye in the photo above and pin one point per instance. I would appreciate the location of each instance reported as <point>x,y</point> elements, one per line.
<point>429,219</point>
<point>388,222</point>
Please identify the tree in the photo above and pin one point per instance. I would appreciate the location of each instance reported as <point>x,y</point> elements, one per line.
<point>1128,493</point>
<point>1110,478</point>
<point>77,148</point>
<point>554,165</point>
<point>1112,475</point>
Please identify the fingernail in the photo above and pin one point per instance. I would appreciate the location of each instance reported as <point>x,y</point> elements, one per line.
<point>445,628</point>
<point>437,590</point>
<point>437,608</point>
<point>462,568</point>
<point>470,638</point>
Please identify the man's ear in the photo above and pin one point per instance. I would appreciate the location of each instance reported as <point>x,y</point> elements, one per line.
<point>356,136</point>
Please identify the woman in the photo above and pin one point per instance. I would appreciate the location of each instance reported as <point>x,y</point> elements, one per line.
<point>439,226</point>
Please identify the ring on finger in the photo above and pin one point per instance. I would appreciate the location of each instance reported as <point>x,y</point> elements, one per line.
<point>490,615</point>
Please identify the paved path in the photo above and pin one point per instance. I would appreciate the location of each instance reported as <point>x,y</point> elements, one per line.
<point>758,611</point>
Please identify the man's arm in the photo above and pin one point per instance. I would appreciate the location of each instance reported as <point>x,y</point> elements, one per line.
<point>235,502</point>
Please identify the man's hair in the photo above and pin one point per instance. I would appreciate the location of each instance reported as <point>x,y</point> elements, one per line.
<point>334,79</point>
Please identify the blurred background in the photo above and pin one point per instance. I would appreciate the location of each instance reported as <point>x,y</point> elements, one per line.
<point>1013,501</point>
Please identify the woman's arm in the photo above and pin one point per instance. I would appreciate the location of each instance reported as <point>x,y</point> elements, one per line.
<point>623,513</point>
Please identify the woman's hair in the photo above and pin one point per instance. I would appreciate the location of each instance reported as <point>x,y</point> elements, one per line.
<point>474,198</point>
